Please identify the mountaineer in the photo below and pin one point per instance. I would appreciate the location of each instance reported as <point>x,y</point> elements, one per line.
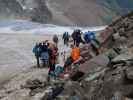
<point>76,35</point>
<point>37,51</point>
<point>66,38</point>
<point>75,53</point>
<point>45,54</point>
<point>53,50</point>
<point>120,40</point>
<point>90,38</point>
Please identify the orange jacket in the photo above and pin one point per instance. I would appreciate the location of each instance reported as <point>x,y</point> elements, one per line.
<point>75,54</point>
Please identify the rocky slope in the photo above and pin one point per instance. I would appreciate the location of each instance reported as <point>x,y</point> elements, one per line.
<point>110,80</point>
<point>109,76</point>
<point>24,9</point>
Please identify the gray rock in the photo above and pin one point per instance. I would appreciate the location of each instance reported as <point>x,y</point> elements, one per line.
<point>95,64</point>
<point>124,56</point>
<point>118,96</point>
<point>129,73</point>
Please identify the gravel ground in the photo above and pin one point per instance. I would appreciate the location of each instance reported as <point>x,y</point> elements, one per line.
<point>16,54</point>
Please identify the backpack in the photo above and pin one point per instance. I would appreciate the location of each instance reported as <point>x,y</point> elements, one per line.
<point>86,37</point>
<point>89,36</point>
<point>54,52</point>
<point>65,35</point>
<point>44,56</point>
<point>74,35</point>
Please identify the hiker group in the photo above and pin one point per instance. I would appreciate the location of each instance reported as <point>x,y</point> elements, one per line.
<point>48,52</point>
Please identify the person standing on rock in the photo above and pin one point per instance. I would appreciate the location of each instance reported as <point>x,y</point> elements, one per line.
<point>77,37</point>
<point>37,51</point>
<point>55,39</point>
<point>90,38</point>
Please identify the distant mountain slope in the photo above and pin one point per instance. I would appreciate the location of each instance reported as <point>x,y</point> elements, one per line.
<point>92,12</point>
<point>80,12</point>
<point>65,12</point>
<point>34,10</point>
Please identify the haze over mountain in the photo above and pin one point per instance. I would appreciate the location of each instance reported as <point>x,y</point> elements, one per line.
<point>65,12</point>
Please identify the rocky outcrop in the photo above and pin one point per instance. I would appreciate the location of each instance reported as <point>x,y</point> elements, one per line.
<point>112,80</point>
<point>33,10</point>
<point>41,13</point>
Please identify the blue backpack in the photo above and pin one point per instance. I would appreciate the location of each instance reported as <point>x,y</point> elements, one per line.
<point>44,56</point>
<point>89,36</point>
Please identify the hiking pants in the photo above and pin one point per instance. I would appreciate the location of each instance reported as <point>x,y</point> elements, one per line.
<point>37,59</point>
<point>74,40</point>
<point>52,67</point>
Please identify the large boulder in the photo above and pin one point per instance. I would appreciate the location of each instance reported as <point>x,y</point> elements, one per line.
<point>129,73</point>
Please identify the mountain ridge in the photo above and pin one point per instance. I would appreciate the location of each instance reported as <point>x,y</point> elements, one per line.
<point>62,12</point>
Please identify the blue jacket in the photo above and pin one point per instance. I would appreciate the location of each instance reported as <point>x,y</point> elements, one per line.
<point>88,36</point>
<point>36,50</point>
<point>65,35</point>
